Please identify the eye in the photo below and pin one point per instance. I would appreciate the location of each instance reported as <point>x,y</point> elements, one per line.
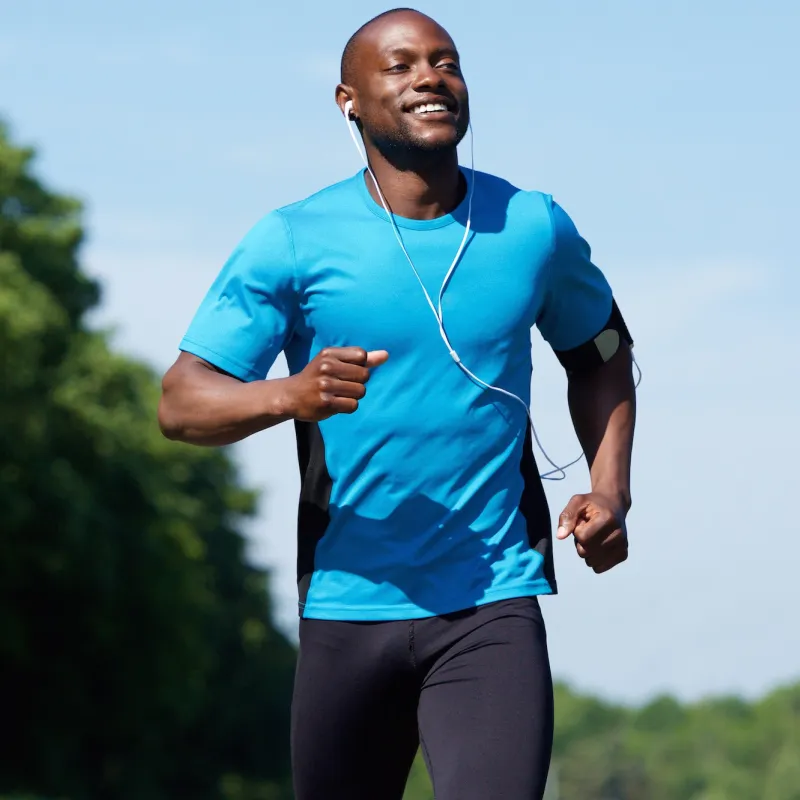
<point>397,68</point>
<point>451,66</point>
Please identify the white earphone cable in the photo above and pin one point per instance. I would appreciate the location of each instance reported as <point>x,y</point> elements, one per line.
<point>437,313</point>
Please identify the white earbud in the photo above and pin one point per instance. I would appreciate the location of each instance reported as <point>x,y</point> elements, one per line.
<point>348,110</point>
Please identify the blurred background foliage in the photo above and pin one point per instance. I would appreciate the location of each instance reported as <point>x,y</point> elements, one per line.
<point>138,655</point>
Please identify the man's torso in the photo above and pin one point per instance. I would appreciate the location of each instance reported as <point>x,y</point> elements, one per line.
<point>416,504</point>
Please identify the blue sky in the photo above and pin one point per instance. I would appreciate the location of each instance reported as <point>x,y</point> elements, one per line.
<point>670,133</point>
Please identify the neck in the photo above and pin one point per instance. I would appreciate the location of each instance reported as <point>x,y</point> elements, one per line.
<point>417,187</point>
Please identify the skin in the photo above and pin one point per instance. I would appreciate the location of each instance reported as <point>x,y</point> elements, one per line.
<point>603,408</point>
<point>204,406</point>
<point>401,61</point>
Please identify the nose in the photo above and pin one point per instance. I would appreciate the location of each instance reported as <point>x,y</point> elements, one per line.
<point>427,76</point>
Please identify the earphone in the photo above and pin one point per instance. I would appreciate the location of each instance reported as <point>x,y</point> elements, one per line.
<point>557,473</point>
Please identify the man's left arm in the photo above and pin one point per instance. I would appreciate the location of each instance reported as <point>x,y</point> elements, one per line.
<point>602,402</point>
<point>581,321</point>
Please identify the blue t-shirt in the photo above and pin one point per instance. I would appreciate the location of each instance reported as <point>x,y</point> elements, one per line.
<point>427,500</point>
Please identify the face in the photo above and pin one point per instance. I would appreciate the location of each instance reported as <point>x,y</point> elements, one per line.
<point>409,92</point>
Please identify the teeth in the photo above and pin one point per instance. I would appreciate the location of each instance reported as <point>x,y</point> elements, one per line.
<point>424,109</point>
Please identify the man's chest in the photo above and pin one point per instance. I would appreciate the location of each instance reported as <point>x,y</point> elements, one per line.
<point>368,293</point>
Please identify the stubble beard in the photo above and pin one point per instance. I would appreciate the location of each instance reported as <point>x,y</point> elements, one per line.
<point>402,143</point>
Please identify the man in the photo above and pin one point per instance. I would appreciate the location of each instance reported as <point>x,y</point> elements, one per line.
<point>424,533</point>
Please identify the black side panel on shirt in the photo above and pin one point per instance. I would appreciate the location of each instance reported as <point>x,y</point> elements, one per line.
<point>533,506</point>
<point>315,494</point>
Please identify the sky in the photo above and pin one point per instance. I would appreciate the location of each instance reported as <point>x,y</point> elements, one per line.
<point>669,131</point>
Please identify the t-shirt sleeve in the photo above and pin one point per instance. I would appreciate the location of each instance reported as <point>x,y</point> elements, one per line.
<point>578,299</point>
<point>248,314</point>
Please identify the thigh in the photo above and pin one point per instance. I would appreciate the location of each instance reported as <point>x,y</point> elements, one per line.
<point>354,724</point>
<point>486,707</point>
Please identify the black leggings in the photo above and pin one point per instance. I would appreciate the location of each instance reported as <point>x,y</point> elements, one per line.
<point>474,688</point>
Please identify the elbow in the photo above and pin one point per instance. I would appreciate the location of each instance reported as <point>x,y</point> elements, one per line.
<point>169,418</point>
<point>168,422</point>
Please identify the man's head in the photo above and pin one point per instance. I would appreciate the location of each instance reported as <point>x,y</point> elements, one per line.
<point>396,67</point>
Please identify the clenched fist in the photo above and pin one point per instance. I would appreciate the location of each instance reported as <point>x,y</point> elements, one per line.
<point>598,526</point>
<point>332,383</point>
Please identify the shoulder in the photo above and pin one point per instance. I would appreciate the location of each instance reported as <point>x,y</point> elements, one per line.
<point>499,189</point>
<point>532,203</point>
<point>504,187</point>
<point>321,202</point>
<point>275,229</point>
<point>511,207</point>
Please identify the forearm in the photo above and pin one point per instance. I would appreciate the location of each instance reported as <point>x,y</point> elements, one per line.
<point>603,408</point>
<point>202,407</point>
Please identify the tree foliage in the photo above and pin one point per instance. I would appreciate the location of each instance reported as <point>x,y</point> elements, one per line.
<point>137,651</point>
<point>718,749</point>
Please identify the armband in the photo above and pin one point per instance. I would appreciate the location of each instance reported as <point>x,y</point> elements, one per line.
<point>600,348</point>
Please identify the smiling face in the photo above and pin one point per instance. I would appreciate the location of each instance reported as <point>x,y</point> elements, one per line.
<point>406,84</point>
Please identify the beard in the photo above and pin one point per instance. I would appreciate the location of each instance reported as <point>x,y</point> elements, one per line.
<point>402,141</point>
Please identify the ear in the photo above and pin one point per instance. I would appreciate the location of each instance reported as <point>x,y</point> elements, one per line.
<point>344,99</point>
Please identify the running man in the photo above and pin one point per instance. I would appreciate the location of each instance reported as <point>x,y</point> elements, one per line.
<point>424,536</point>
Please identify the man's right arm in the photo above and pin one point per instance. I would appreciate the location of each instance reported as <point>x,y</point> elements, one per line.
<point>202,405</point>
<point>215,394</point>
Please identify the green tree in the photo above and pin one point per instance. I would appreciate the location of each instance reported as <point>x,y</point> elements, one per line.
<point>419,783</point>
<point>137,651</point>
<point>717,749</point>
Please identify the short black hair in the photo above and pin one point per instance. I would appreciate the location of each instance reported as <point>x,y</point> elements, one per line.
<point>349,53</point>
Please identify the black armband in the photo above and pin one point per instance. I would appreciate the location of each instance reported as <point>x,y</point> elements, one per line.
<point>600,348</point>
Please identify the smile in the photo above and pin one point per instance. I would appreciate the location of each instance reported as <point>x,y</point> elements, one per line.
<point>428,108</point>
